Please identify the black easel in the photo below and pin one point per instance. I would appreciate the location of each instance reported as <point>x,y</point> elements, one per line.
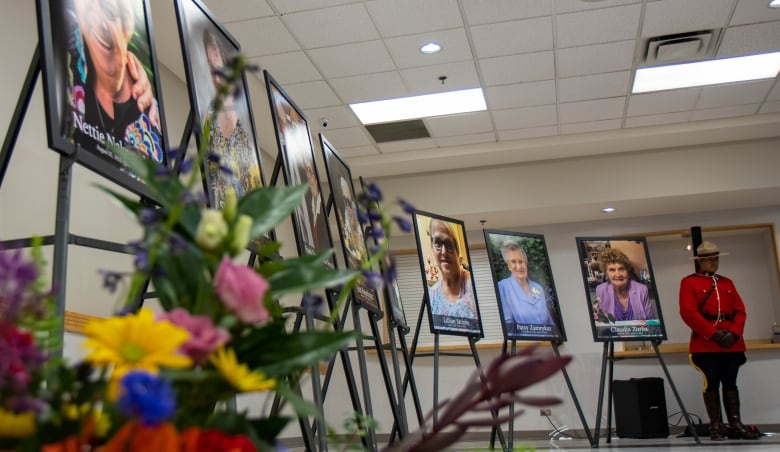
<point>555,345</point>
<point>436,353</point>
<point>608,357</point>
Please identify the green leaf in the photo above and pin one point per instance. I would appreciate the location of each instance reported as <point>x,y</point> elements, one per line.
<point>268,206</point>
<point>304,274</point>
<point>282,354</point>
<point>302,407</point>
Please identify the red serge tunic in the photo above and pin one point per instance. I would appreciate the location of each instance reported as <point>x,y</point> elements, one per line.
<point>704,318</point>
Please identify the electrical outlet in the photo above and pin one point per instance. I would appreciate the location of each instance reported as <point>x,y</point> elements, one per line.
<point>545,412</point>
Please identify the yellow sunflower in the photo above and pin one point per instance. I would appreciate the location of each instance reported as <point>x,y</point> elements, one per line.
<point>135,342</point>
<point>239,375</point>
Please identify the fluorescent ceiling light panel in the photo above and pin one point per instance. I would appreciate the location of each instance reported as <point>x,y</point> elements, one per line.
<point>710,72</point>
<point>403,108</point>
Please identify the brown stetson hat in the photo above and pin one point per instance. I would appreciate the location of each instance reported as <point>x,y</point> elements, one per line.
<point>707,249</point>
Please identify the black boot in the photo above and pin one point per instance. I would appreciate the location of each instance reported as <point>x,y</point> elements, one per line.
<point>736,429</point>
<point>712,404</point>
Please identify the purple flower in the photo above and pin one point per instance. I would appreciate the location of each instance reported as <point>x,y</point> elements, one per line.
<point>148,216</point>
<point>173,154</point>
<point>363,217</point>
<point>213,157</point>
<point>403,223</point>
<point>186,166</point>
<point>16,275</point>
<point>111,279</point>
<point>373,193</point>
<point>373,279</point>
<point>162,171</point>
<point>377,233</point>
<point>204,336</point>
<point>147,397</point>
<point>314,304</point>
<point>406,206</point>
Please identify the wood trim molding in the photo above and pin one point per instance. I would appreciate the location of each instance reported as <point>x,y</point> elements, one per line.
<point>75,321</point>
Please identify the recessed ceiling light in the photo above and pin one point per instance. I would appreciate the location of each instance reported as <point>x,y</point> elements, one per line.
<point>425,106</point>
<point>774,4</point>
<point>608,209</point>
<point>710,72</point>
<point>430,47</point>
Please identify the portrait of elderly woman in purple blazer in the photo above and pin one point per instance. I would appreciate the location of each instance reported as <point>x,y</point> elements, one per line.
<point>621,295</point>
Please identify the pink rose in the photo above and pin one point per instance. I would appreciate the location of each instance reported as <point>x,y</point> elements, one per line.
<point>204,336</point>
<point>242,290</point>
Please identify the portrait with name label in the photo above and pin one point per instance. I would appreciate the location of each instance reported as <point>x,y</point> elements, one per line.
<point>524,285</point>
<point>620,289</point>
<point>450,296</point>
<point>101,84</point>
<point>352,239</point>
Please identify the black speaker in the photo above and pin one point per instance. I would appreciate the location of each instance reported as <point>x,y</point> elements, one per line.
<point>640,408</point>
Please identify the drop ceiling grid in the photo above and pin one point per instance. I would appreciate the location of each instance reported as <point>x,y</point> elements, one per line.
<point>544,64</point>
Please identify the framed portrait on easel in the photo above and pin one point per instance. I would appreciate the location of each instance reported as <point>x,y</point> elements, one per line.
<point>620,289</point>
<point>233,162</point>
<point>101,84</point>
<point>312,232</point>
<point>525,290</point>
<point>450,295</point>
<point>350,231</point>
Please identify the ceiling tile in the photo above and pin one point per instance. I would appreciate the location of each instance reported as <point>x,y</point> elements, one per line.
<point>521,95</point>
<point>593,86</point>
<point>534,132</point>
<point>770,107</point>
<point>590,126</point>
<point>404,17</point>
<point>259,37</point>
<point>663,102</point>
<point>462,140</point>
<point>312,95</point>
<point>595,59</point>
<point>406,49</point>
<point>358,151</point>
<point>338,117</point>
<point>407,145</point>
<point>724,112</point>
<point>363,88</point>
<point>487,11</point>
<point>507,38</point>
<point>464,124</point>
<point>750,39</point>
<point>423,80</point>
<point>528,67</point>
<point>597,26</point>
<point>659,119</point>
<point>239,9</point>
<point>737,94</point>
<point>675,16</point>
<point>751,11</point>
<point>523,118</point>
<point>290,6</point>
<point>293,67</point>
<point>332,26</point>
<point>347,138</point>
<point>775,93</point>
<point>591,110</point>
<point>568,6</point>
<point>340,61</point>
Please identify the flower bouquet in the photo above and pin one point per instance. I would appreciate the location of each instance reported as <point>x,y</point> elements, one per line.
<point>168,381</point>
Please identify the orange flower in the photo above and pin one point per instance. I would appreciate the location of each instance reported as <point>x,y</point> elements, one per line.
<point>134,436</point>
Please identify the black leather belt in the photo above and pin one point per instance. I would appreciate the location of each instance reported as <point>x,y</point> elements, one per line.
<point>714,317</point>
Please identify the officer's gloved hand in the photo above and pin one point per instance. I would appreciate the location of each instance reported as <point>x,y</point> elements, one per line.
<point>719,337</point>
<point>728,339</point>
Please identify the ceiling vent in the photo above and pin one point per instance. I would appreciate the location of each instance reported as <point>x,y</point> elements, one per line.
<point>397,131</point>
<point>691,46</point>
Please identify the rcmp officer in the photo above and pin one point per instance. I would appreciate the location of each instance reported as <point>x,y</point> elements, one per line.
<point>711,306</point>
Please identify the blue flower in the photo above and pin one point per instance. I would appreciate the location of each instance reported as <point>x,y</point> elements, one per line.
<point>147,397</point>
<point>363,217</point>
<point>111,279</point>
<point>186,166</point>
<point>377,233</point>
<point>408,208</point>
<point>403,223</point>
<point>372,193</point>
<point>373,279</point>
